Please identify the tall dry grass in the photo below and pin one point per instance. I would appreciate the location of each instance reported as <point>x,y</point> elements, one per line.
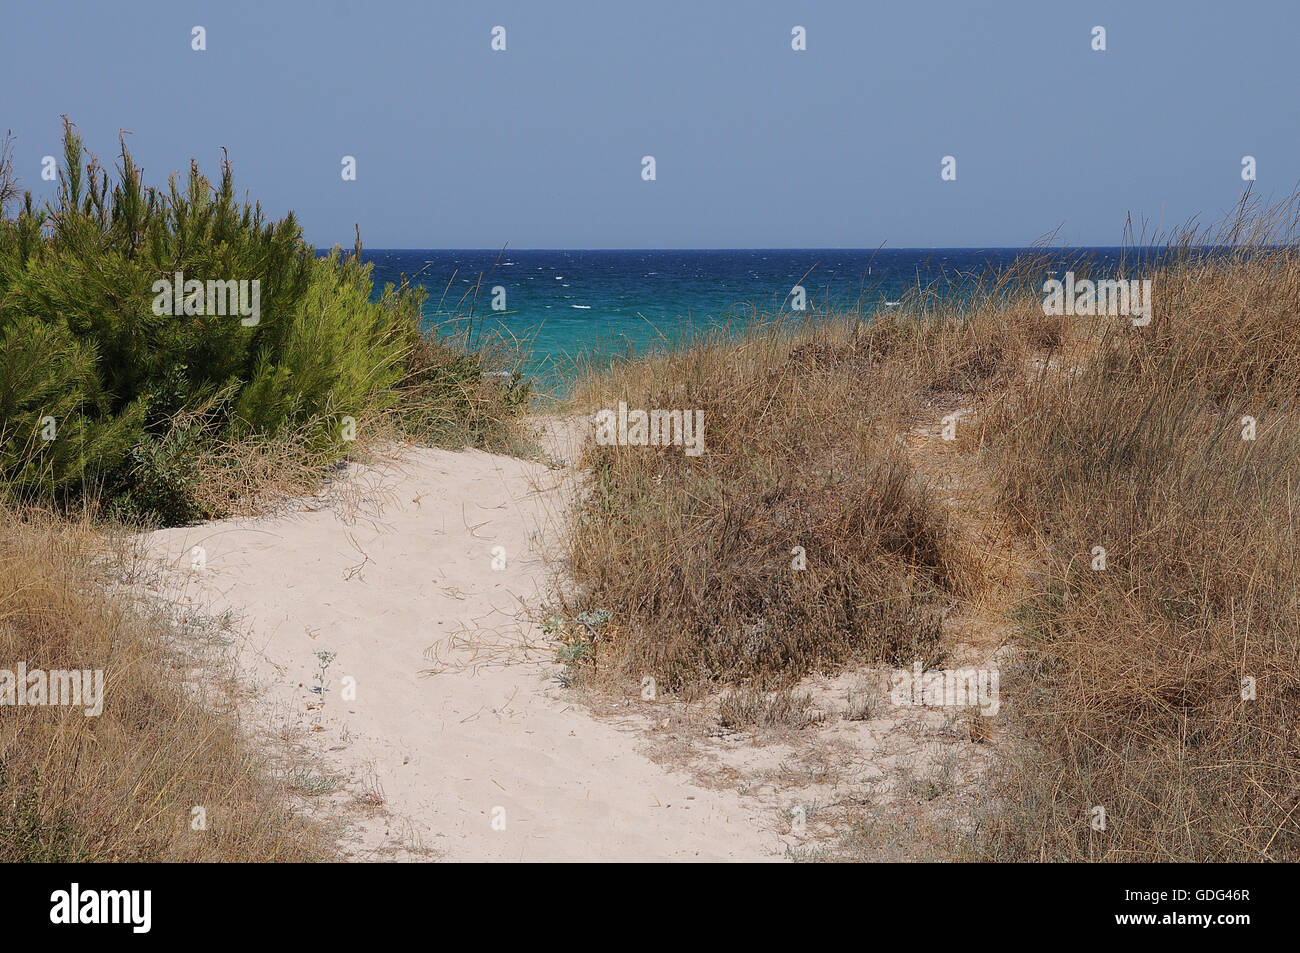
<point>1162,689</point>
<point>121,786</point>
<point>689,560</point>
<point>1137,686</point>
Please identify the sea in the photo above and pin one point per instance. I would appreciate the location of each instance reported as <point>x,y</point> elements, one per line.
<point>556,310</point>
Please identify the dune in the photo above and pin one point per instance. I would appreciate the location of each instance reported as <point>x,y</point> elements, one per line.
<point>441,699</point>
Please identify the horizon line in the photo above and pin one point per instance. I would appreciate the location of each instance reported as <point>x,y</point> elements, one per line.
<point>806,248</point>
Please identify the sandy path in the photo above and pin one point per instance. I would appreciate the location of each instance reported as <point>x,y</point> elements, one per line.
<point>490,735</point>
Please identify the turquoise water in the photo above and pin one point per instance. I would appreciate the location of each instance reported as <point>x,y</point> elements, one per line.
<point>569,305</point>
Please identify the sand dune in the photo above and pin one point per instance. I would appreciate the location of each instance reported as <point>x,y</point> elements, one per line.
<point>457,717</point>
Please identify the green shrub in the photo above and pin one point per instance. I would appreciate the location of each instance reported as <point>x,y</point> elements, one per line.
<point>100,395</point>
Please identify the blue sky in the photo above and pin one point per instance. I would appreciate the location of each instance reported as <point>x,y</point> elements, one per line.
<point>756,145</point>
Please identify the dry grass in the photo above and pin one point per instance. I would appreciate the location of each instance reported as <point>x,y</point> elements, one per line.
<point>749,707</point>
<point>122,786</point>
<point>1133,696</point>
<point>1083,432</point>
<point>692,557</point>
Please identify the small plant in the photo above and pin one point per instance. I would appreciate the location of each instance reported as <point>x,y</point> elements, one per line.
<point>926,790</point>
<point>577,643</point>
<point>29,834</point>
<point>310,784</point>
<point>862,706</point>
<point>325,660</point>
<point>594,621</point>
<point>572,653</point>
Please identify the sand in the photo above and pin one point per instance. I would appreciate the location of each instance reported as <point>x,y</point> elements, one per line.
<point>458,741</point>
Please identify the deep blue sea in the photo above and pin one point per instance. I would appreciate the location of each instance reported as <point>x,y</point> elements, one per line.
<point>567,305</point>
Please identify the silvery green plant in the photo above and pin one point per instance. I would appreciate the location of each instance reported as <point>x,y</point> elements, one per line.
<point>325,659</point>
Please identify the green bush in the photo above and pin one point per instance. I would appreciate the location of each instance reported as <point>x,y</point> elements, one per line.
<point>100,395</point>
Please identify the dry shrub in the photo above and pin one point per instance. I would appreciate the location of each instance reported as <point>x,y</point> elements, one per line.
<point>120,786</point>
<point>804,428</point>
<point>692,556</point>
<point>1133,696</point>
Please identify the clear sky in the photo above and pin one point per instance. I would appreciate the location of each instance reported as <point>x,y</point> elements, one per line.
<point>755,144</point>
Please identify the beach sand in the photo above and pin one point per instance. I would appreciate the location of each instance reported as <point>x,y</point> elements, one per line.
<point>460,743</point>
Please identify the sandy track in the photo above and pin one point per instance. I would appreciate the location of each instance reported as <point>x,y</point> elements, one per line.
<point>410,590</point>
